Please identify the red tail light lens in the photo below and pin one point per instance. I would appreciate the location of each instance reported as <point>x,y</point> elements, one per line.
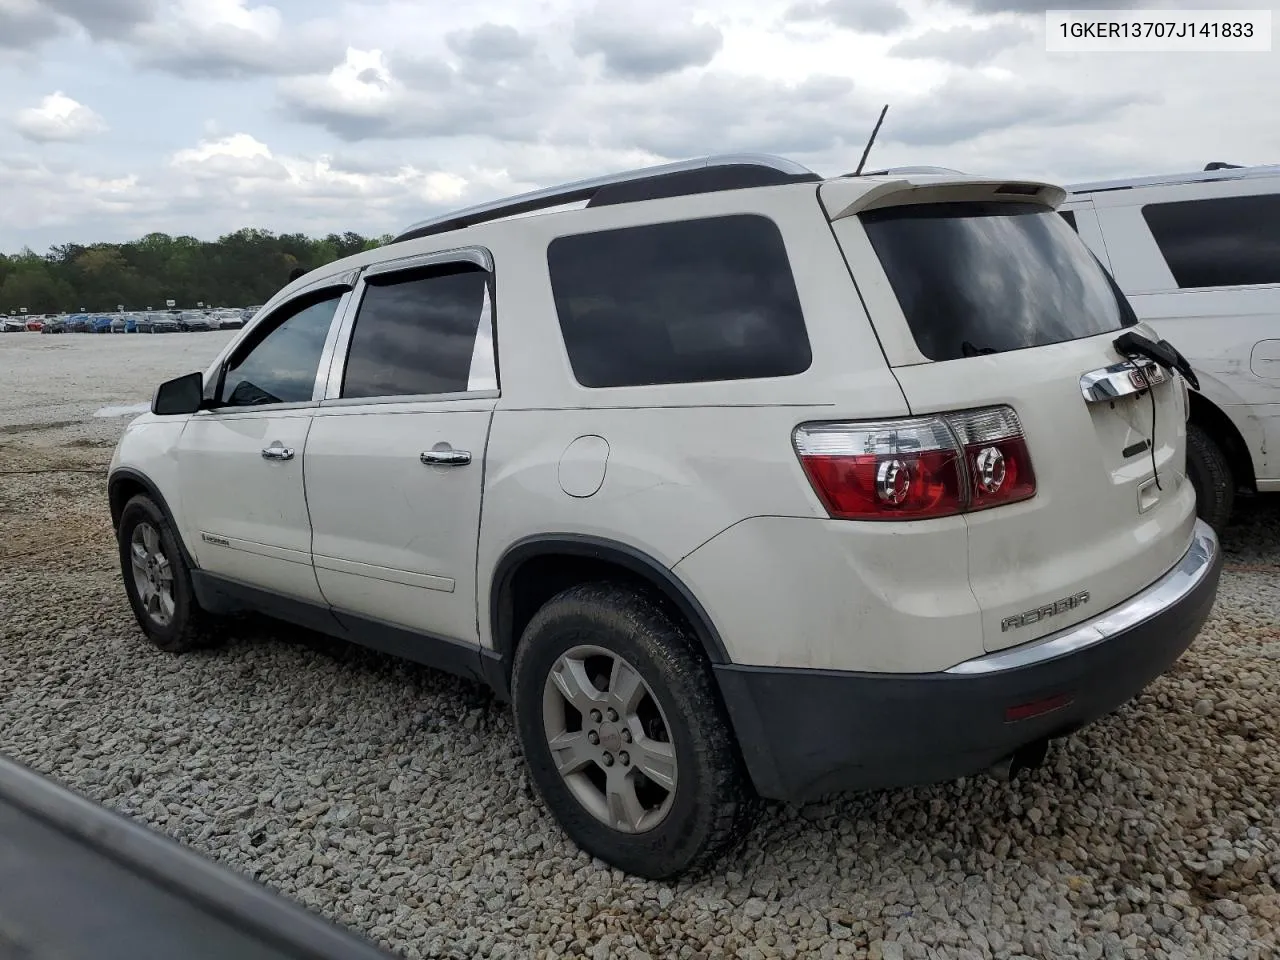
<point>996,454</point>
<point>918,467</point>
<point>891,470</point>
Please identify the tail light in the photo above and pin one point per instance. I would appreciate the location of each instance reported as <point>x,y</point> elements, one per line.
<point>918,467</point>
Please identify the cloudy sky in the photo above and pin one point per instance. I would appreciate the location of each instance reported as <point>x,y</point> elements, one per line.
<point>119,117</point>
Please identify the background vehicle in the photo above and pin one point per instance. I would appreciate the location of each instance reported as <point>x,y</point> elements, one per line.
<point>1197,256</point>
<point>159,323</point>
<point>83,882</point>
<point>14,324</point>
<point>100,325</point>
<point>194,320</point>
<point>35,325</point>
<point>789,485</point>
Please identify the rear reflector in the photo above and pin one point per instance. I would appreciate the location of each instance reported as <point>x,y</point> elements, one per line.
<point>919,467</point>
<point>1037,708</point>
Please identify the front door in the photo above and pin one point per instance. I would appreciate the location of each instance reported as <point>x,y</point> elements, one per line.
<point>395,459</point>
<point>240,463</point>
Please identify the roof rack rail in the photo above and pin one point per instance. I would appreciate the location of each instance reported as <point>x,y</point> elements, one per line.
<point>1220,165</point>
<point>907,171</point>
<point>682,178</point>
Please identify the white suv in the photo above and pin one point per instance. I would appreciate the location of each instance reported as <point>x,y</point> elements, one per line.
<point>736,482</point>
<point>1198,255</point>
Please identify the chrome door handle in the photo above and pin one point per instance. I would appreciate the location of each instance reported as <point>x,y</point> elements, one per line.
<point>277,452</point>
<point>445,458</point>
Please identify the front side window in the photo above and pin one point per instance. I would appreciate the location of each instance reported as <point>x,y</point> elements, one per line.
<point>422,332</point>
<point>685,302</point>
<point>1219,242</point>
<point>281,366</point>
<point>984,277</point>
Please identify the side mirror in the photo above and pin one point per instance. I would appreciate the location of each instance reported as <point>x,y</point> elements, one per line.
<point>180,395</point>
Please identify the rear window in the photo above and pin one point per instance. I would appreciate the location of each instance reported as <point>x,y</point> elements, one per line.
<point>684,302</point>
<point>986,277</point>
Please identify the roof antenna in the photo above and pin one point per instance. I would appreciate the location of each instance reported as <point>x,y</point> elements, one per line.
<point>867,150</point>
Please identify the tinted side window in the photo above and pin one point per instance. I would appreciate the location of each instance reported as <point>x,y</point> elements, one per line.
<point>1070,217</point>
<point>421,333</point>
<point>281,367</point>
<point>686,302</point>
<point>1220,242</point>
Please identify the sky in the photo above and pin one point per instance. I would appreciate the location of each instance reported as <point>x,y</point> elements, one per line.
<point>199,117</point>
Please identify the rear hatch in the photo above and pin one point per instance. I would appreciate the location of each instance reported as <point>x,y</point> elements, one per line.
<point>983,297</point>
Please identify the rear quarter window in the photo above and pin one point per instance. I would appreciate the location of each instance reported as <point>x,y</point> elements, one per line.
<point>1219,241</point>
<point>683,302</point>
<point>975,278</point>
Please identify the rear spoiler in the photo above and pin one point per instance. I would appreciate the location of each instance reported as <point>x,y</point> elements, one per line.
<point>849,197</point>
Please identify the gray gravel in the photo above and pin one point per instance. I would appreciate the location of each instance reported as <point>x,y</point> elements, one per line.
<point>393,799</point>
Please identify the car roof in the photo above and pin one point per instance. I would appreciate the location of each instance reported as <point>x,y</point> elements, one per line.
<point>1198,176</point>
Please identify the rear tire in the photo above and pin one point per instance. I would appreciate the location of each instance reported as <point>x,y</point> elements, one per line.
<point>600,641</point>
<point>158,581</point>
<point>1210,473</point>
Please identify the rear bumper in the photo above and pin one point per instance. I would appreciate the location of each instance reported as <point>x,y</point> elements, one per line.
<point>809,732</point>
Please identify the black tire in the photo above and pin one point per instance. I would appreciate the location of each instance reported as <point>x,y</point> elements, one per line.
<point>1211,475</point>
<point>713,804</point>
<point>189,627</point>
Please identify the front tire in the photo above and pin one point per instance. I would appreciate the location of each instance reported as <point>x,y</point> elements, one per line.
<point>1211,475</point>
<point>624,735</point>
<point>158,581</point>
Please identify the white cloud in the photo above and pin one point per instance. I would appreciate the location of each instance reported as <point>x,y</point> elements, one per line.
<point>213,39</point>
<point>365,114</point>
<point>58,118</point>
<point>634,45</point>
<point>967,45</point>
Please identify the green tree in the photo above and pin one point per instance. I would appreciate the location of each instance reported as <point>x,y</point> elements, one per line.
<point>241,268</point>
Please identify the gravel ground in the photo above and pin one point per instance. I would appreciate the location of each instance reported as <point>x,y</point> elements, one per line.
<point>392,798</point>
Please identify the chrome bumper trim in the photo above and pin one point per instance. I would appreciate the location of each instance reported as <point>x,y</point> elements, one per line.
<point>1164,593</point>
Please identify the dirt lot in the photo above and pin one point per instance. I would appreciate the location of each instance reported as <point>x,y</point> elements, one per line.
<point>392,798</point>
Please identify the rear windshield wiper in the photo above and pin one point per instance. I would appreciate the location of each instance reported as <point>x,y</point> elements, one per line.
<point>1132,345</point>
<point>969,350</point>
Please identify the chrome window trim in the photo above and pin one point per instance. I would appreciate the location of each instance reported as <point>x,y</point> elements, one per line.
<point>258,410</point>
<point>455,397</point>
<point>477,256</point>
<point>1169,590</point>
<point>324,372</point>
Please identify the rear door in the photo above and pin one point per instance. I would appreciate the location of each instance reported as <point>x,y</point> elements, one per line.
<point>395,459</point>
<point>987,297</point>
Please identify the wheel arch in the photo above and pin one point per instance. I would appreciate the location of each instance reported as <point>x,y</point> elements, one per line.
<point>1207,414</point>
<point>533,570</point>
<point>124,484</point>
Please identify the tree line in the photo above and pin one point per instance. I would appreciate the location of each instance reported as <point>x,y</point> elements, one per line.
<point>239,269</point>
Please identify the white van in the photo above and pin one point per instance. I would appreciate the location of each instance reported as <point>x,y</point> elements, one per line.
<point>1198,255</point>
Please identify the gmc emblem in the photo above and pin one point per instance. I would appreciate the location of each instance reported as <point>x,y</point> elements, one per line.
<point>1028,617</point>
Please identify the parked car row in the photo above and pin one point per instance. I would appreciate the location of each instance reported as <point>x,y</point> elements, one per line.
<point>168,321</point>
